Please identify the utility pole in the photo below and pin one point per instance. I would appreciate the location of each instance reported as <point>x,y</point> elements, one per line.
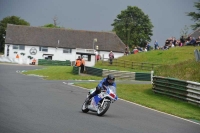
<point>55,21</point>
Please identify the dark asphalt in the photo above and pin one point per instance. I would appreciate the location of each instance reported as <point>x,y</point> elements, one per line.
<point>30,104</point>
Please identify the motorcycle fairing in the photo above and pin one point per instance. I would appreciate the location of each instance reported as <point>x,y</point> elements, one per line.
<point>97,99</point>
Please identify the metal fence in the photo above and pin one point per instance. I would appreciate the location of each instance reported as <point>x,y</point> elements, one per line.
<point>53,62</point>
<point>76,70</point>
<point>118,74</point>
<point>132,65</point>
<point>197,54</point>
<point>185,90</point>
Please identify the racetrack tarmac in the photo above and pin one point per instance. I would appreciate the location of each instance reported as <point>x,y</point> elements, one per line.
<point>29,104</point>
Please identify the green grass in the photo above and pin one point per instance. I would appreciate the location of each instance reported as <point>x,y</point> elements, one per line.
<point>171,56</point>
<point>60,73</point>
<point>186,70</point>
<point>143,95</point>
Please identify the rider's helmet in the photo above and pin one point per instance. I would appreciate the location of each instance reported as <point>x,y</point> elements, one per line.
<point>110,79</point>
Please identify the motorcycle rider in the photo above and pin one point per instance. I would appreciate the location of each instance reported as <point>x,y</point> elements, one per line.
<point>109,80</point>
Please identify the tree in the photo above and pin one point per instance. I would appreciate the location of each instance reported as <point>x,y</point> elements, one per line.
<point>52,25</point>
<point>3,25</point>
<point>184,31</point>
<point>195,16</point>
<point>133,27</point>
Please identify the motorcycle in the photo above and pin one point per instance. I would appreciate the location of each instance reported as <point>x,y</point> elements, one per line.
<point>101,102</point>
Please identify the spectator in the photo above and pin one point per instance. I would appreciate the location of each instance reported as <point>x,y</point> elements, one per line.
<point>126,50</point>
<point>198,41</point>
<point>34,61</point>
<point>135,50</point>
<point>156,44</point>
<point>182,40</point>
<point>165,47</point>
<point>193,41</point>
<point>111,57</point>
<point>98,57</point>
<point>148,46</point>
<point>139,49</point>
<point>78,62</point>
<point>82,64</point>
<point>145,49</point>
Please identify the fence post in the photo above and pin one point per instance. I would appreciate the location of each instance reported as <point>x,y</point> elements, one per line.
<point>79,68</point>
<point>152,67</point>
<point>152,77</point>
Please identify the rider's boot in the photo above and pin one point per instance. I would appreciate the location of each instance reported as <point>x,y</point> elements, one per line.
<point>88,99</point>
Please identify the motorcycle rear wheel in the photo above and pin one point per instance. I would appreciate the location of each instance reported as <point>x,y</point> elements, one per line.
<point>102,110</point>
<point>84,108</point>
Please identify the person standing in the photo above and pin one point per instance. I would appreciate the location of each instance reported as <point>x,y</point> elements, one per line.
<point>156,44</point>
<point>135,50</point>
<point>111,57</point>
<point>148,46</point>
<point>34,61</point>
<point>82,64</point>
<point>126,50</point>
<point>98,57</point>
<point>78,62</point>
<point>182,40</point>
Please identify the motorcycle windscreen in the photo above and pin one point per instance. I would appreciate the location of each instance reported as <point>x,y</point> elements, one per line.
<point>97,99</point>
<point>113,89</point>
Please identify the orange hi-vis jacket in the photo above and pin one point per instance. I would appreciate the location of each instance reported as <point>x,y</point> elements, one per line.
<point>78,63</point>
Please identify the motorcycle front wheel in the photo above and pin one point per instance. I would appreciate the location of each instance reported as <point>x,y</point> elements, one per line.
<point>85,107</point>
<point>102,110</point>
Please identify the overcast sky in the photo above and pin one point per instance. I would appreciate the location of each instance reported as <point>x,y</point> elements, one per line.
<point>167,16</point>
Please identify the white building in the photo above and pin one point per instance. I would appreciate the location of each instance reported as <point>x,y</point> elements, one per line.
<point>59,44</point>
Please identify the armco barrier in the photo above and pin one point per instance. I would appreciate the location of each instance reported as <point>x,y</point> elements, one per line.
<point>197,54</point>
<point>76,70</point>
<point>118,74</point>
<point>185,90</point>
<point>143,76</point>
<point>93,71</point>
<point>53,62</point>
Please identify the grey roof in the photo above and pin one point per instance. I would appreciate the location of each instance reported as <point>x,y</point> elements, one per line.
<point>195,33</point>
<point>40,36</point>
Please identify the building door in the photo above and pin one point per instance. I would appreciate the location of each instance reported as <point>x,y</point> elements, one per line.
<point>49,57</point>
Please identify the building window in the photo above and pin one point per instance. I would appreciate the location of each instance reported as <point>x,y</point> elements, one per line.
<point>67,50</point>
<point>43,49</point>
<point>19,47</point>
<point>15,47</point>
<point>86,57</point>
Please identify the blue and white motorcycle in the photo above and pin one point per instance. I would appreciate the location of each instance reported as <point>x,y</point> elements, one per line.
<point>101,102</point>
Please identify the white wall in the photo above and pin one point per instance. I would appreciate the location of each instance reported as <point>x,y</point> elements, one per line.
<point>56,52</point>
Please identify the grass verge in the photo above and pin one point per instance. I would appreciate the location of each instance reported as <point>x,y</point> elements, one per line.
<point>60,73</point>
